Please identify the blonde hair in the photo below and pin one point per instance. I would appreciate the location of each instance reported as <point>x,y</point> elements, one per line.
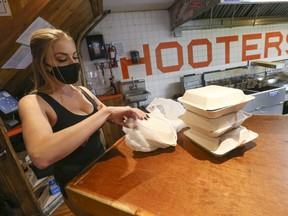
<point>41,41</point>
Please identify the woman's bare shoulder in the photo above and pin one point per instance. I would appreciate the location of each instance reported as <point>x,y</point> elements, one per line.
<point>31,100</point>
<point>27,98</point>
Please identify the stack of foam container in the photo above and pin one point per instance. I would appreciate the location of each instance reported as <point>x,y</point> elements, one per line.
<point>214,116</point>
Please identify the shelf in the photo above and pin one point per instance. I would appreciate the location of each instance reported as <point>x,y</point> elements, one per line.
<point>40,182</point>
<point>14,131</point>
<point>54,201</point>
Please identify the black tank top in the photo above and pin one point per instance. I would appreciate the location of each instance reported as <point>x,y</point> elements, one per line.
<point>70,166</point>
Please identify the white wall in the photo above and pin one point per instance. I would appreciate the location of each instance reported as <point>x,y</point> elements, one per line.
<point>134,29</point>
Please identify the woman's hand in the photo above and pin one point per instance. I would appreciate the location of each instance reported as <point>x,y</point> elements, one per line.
<point>120,115</point>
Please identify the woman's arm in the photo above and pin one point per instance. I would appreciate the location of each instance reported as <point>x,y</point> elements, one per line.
<point>45,147</point>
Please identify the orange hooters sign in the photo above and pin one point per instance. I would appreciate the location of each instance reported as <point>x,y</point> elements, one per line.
<point>273,41</point>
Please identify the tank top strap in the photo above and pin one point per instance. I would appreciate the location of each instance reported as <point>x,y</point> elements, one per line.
<point>50,100</point>
<point>89,97</point>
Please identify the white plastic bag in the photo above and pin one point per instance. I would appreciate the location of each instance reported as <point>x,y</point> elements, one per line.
<point>170,109</point>
<point>149,135</point>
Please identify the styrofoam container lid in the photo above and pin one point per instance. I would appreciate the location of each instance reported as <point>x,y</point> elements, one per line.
<point>213,97</point>
<point>216,113</point>
<point>222,145</point>
<point>217,126</point>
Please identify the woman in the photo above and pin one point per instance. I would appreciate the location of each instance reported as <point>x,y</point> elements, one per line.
<point>60,121</point>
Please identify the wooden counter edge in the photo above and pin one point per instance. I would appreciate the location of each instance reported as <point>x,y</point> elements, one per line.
<point>100,205</point>
<point>105,206</point>
<point>108,97</point>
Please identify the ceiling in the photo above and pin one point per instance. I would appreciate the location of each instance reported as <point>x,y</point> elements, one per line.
<point>247,10</point>
<point>72,16</point>
<point>221,15</point>
<point>232,15</point>
<point>136,5</point>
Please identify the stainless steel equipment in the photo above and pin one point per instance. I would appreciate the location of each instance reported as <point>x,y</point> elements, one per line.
<point>268,100</point>
<point>284,84</point>
<point>134,91</point>
<point>190,81</point>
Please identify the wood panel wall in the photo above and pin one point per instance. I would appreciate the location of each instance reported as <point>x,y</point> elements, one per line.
<point>69,15</point>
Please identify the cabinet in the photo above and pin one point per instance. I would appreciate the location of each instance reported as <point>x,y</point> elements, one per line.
<point>15,182</point>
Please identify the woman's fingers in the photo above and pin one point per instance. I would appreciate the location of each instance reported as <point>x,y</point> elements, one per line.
<point>140,114</point>
<point>121,115</point>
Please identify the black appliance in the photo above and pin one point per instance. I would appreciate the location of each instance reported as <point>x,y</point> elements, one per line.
<point>96,47</point>
<point>8,108</point>
<point>135,57</point>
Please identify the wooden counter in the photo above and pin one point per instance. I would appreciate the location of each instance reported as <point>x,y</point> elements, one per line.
<point>109,97</point>
<point>186,180</point>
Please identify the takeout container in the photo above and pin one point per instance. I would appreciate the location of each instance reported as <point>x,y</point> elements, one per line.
<point>214,101</point>
<point>214,116</point>
<point>220,146</point>
<point>214,97</point>
<point>214,127</point>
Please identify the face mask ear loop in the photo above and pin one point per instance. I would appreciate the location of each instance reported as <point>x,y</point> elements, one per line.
<point>51,71</point>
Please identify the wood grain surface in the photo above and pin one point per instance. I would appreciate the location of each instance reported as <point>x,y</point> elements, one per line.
<point>187,180</point>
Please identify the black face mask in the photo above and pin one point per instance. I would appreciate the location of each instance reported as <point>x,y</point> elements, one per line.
<point>66,74</point>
